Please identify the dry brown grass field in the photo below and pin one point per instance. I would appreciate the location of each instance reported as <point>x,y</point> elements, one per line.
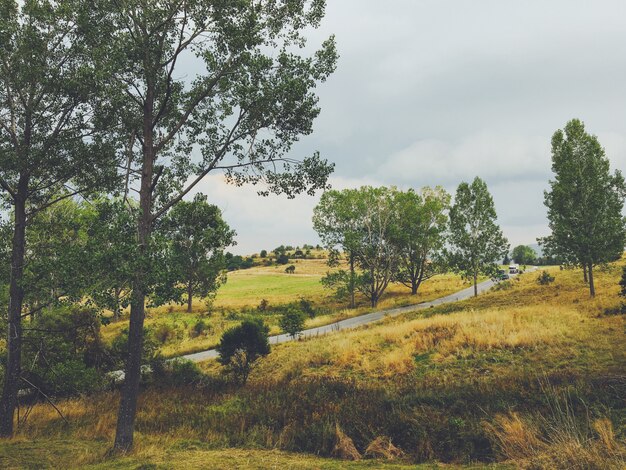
<point>528,376</point>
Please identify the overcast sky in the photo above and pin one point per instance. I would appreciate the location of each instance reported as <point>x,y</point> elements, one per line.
<point>437,92</point>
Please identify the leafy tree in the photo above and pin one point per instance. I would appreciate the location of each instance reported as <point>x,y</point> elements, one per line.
<point>290,269</point>
<point>477,243</point>
<point>292,322</point>
<point>251,98</point>
<point>584,203</point>
<point>282,259</point>
<point>336,219</point>
<point>263,254</point>
<point>419,234</point>
<point>197,235</point>
<point>506,261</point>
<point>523,254</point>
<point>241,346</point>
<point>51,147</point>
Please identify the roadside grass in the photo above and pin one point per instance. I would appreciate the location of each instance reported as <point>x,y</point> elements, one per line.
<point>240,297</point>
<point>533,376</point>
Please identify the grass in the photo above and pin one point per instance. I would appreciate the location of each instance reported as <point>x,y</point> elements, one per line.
<point>245,290</point>
<point>533,376</point>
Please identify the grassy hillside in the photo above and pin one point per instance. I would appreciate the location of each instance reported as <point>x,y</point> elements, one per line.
<point>239,298</point>
<point>533,375</point>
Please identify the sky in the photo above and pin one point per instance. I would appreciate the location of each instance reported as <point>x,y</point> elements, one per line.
<point>435,92</point>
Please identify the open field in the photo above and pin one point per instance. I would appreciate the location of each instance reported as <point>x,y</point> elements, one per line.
<point>244,291</point>
<point>531,375</point>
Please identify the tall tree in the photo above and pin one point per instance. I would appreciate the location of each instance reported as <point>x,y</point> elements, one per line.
<point>198,236</point>
<point>585,202</point>
<point>419,234</point>
<point>49,145</point>
<point>477,243</point>
<point>337,221</point>
<point>249,100</point>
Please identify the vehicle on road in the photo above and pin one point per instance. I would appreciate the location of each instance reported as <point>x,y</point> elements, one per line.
<point>513,269</point>
<point>502,275</point>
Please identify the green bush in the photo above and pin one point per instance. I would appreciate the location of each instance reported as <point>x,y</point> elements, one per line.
<point>241,346</point>
<point>176,372</point>
<point>119,347</point>
<point>199,328</point>
<point>292,322</point>
<point>164,333</point>
<point>307,307</point>
<point>545,278</point>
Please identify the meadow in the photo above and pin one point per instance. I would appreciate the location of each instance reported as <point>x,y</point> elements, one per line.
<point>525,376</point>
<point>179,332</point>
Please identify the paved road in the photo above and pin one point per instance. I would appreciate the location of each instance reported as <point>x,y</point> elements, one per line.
<point>361,320</point>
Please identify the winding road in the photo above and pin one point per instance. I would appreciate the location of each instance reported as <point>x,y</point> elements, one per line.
<point>355,322</point>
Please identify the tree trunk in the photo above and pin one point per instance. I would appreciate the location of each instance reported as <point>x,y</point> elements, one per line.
<point>12,373</point>
<point>352,281</point>
<point>585,273</point>
<point>592,287</point>
<point>189,296</point>
<point>130,389</point>
<point>475,284</point>
<point>117,311</point>
<point>414,287</point>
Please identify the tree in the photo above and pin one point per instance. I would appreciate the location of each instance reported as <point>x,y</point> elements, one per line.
<point>197,236</point>
<point>419,233</point>
<point>506,261</point>
<point>523,254</point>
<point>51,144</point>
<point>241,346</point>
<point>584,203</point>
<point>251,98</point>
<point>336,219</point>
<point>263,254</point>
<point>292,322</point>
<point>477,243</point>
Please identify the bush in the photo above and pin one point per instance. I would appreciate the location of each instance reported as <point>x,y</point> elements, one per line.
<point>177,372</point>
<point>241,346</point>
<point>545,278</point>
<point>504,285</point>
<point>63,353</point>
<point>290,269</point>
<point>292,322</point>
<point>263,306</point>
<point>164,333</point>
<point>282,259</point>
<point>307,307</point>
<point>199,328</point>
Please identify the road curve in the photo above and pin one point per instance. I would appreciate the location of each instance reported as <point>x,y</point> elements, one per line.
<point>355,322</point>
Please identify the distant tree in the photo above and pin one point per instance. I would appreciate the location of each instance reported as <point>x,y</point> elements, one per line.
<point>585,202</point>
<point>292,322</point>
<point>476,239</point>
<point>282,258</point>
<point>418,233</point>
<point>241,346</point>
<point>506,261</point>
<point>197,235</point>
<point>263,254</point>
<point>523,254</point>
<point>290,269</point>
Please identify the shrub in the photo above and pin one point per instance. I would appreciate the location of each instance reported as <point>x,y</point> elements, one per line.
<point>504,285</point>
<point>199,328</point>
<point>241,346</point>
<point>177,372</point>
<point>164,333</point>
<point>290,269</point>
<point>292,322</point>
<point>307,307</point>
<point>263,306</point>
<point>282,259</point>
<point>63,352</point>
<point>545,278</point>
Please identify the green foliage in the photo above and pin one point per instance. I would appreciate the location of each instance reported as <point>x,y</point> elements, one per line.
<point>263,305</point>
<point>290,269</point>
<point>175,373</point>
<point>241,346</point>
<point>197,236</point>
<point>236,262</point>
<point>282,258</point>
<point>292,322</point>
<point>476,239</point>
<point>263,254</point>
<point>545,278</point>
<point>419,229</point>
<point>523,254</point>
<point>199,328</point>
<point>585,202</point>
<point>307,307</point>
<point>63,352</point>
<point>119,347</point>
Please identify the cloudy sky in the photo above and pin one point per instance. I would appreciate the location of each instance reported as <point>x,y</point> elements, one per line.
<point>434,92</point>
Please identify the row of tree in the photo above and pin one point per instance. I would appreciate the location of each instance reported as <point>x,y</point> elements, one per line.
<point>388,235</point>
<point>95,96</point>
